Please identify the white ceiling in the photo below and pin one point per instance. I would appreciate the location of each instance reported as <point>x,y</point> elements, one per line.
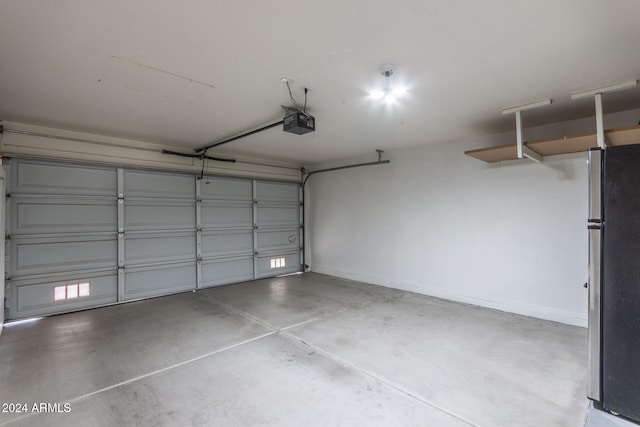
<point>193,72</point>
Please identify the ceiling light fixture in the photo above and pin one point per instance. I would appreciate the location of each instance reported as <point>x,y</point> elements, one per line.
<point>388,94</point>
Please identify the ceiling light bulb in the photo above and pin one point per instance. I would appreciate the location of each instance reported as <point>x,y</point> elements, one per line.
<point>389,93</point>
<point>376,94</point>
<point>390,98</point>
<point>399,91</point>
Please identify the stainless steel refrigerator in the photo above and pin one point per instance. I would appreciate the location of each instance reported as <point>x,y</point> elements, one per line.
<point>614,280</point>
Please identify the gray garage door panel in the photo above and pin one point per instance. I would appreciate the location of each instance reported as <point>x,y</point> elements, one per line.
<point>227,215</point>
<point>226,189</point>
<point>36,296</point>
<point>64,221</point>
<point>226,271</point>
<point>141,215</point>
<point>149,281</point>
<point>228,242</point>
<point>278,221</point>
<point>158,185</point>
<point>277,192</point>
<point>278,240</point>
<point>158,248</point>
<point>43,255</point>
<point>159,233</point>
<point>274,216</point>
<point>291,265</point>
<point>29,177</point>
<point>48,215</point>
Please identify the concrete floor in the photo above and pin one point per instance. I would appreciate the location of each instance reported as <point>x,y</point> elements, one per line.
<point>298,350</point>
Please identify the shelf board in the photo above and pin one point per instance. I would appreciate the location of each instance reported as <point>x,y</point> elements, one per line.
<point>623,136</point>
<point>565,145</point>
<point>495,154</point>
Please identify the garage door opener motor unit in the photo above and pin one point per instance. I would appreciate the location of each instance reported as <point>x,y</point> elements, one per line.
<point>299,123</point>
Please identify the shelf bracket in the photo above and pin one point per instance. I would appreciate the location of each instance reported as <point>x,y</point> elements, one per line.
<point>597,96</point>
<point>599,121</point>
<point>523,150</point>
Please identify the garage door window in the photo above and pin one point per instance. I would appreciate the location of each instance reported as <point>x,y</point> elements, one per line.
<point>76,290</point>
<point>277,262</point>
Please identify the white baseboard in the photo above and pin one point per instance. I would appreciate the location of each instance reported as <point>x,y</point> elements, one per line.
<point>530,310</point>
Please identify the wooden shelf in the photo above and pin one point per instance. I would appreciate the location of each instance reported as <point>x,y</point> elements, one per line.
<point>495,154</point>
<point>549,147</point>
<point>623,136</point>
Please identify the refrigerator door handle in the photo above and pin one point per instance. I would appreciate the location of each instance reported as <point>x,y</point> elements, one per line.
<point>595,184</point>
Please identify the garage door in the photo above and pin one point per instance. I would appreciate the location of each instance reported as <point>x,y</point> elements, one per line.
<point>84,236</point>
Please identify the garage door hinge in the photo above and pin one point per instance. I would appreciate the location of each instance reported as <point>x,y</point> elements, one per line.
<point>7,237</point>
<point>8,195</point>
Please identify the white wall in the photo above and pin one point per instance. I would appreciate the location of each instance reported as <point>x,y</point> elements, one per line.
<point>510,236</point>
